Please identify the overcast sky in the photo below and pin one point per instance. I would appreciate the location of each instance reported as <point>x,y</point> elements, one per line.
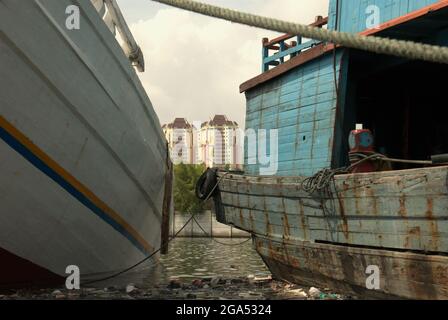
<point>195,64</point>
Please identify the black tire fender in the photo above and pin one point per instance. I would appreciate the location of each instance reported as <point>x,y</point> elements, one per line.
<point>206,183</point>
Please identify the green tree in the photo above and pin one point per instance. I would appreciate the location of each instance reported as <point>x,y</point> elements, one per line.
<point>185,178</point>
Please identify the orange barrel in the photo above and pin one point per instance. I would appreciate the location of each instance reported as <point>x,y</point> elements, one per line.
<point>361,141</point>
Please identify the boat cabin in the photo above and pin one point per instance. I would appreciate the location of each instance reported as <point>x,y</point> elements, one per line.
<point>315,93</point>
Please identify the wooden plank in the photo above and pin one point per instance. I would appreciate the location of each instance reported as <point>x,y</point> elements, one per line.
<point>166,207</point>
<point>302,58</point>
<point>317,23</point>
<point>302,243</point>
<point>407,17</point>
<point>402,274</point>
<point>323,49</point>
<point>291,51</point>
<point>95,166</point>
<point>398,209</point>
<point>301,104</point>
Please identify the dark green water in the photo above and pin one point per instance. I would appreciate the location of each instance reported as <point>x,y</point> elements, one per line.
<point>193,258</point>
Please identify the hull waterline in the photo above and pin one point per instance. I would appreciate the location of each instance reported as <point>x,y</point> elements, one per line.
<point>394,220</point>
<point>84,159</point>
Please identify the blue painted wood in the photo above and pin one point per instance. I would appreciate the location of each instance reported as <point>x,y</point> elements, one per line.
<point>280,56</point>
<point>352,15</point>
<point>265,54</point>
<point>301,105</point>
<point>403,209</point>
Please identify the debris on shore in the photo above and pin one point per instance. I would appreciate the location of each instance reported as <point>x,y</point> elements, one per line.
<point>211,288</point>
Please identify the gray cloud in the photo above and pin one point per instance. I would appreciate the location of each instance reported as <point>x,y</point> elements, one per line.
<point>195,64</point>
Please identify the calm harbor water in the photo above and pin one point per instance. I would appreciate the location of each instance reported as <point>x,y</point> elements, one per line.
<point>193,258</point>
<point>195,268</point>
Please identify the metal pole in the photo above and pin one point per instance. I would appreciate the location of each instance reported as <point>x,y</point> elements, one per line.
<point>211,224</point>
<point>192,229</point>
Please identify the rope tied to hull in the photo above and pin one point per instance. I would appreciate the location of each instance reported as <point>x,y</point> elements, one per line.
<point>192,218</point>
<point>219,242</point>
<point>321,180</point>
<point>398,48</point>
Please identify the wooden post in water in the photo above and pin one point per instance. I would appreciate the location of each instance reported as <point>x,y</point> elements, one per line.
<point>173,232</point>
<point>167,198</point>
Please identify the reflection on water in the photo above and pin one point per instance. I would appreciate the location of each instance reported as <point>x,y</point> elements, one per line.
<point>195,258</point>
<point>192,258</point>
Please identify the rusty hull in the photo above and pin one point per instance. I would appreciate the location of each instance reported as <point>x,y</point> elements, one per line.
<point>396,220</point>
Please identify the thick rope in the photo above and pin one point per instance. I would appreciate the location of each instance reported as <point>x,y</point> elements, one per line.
<point>398,48</point>
<point>141,261</point>
<point>159,249</point>
<point>208,235</point>
<point>321,180</point>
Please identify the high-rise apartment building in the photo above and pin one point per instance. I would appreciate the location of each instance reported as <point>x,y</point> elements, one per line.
<point>214,143</point>
<point>179,135</point>
<point>218,142</point>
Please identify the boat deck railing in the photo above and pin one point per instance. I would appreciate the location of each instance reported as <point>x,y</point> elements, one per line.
<point>114,20</point>
<point>276,51</point>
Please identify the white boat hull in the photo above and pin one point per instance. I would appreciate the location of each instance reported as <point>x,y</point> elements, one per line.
<point>83,157</point>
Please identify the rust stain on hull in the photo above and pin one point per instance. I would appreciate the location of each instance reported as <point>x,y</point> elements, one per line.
<point>373,198</point>
<point>402,211</point>
<point>432,224</point>
<point>241,218</point>
<point>344,218</point>
<point>383,219</point>
<point>286,226</point>
<point>403,275</point>
<point>303,220</point>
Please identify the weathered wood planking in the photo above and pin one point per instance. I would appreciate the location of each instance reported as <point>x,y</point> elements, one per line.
<point>402,274</point>
<point>353,14</point>
<point>403,209</point>
<point>94,196</point>
<point>375,218</point>
<point>397,220</point>
<point>301,105</point>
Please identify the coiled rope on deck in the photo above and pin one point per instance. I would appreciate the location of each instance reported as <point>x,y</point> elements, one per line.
<point>320,181</point>
<point>398,48</point>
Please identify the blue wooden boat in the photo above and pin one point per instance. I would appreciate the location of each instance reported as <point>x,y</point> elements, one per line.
<point>392,218</point>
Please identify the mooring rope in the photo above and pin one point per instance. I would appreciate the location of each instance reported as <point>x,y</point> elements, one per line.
<point>219,242</point>
<point>321,180</point>
<point>143,260</point>
<point>159,249</point>
<point>378,156</point>
<point>398,48</point>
